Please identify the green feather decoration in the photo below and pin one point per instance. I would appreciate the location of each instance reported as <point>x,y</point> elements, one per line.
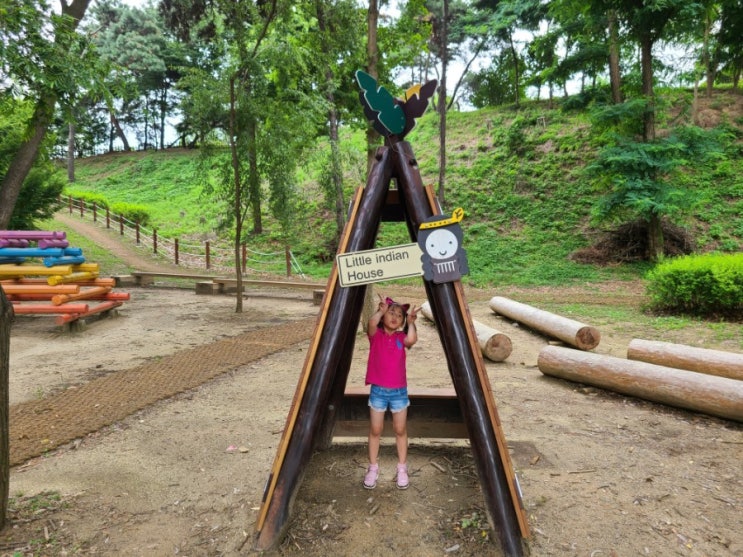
<point>379,104</point>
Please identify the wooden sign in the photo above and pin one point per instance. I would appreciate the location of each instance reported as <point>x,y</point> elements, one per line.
<point>378,265</point>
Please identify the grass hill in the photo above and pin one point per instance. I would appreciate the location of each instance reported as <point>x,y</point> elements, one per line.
<point>520,176</point>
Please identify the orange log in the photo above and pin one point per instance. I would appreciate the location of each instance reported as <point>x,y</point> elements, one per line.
<point>120,296</point>
<point>709,394</point>
<point>703,360</point>
<point>40,289</point>
<point>67,318</point>
<point>30,309</point>
<point>86,294</point>
<point>567,330</point>
<point>494,345</point>
<point>101,281</point>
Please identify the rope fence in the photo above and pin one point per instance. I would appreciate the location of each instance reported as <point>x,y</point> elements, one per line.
<point>217,256</point>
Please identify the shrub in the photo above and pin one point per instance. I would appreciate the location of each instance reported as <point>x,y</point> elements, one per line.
<point>134,213</point>
<point>705,285</point>
<point>88,197</point>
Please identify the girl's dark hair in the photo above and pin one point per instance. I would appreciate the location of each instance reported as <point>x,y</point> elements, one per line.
<point>404,319</point>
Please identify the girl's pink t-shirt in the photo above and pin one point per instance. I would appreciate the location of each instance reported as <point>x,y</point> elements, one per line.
<point>386,365</point>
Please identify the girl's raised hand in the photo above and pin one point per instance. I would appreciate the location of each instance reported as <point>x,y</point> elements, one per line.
<point>413,314</point>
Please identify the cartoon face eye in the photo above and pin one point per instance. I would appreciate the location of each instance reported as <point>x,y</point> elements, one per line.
<point>441,244</point>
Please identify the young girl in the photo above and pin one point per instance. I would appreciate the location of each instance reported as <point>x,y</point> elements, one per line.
<point>390,330</point>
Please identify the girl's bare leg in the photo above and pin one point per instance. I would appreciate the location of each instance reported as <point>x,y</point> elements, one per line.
<point>376,425</point>
<point>400,426</point>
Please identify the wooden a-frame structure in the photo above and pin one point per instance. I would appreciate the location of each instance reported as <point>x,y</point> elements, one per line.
<point>322,384</point>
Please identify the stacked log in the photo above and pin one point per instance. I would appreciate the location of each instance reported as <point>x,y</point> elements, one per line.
<point>52,287</point>
<point>574,333</point>
<point>495,345</point>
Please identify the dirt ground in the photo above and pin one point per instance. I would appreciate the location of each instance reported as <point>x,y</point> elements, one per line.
<point>601,474</point>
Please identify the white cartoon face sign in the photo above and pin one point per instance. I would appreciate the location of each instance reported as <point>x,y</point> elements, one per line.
<point>440,239</point>
<point>441,244</point>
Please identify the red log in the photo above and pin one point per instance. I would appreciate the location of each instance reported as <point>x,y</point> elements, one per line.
<point>703,360</point>
<point>68,317</point>
<point>32,309</point>
<point>567,330</point>
<point>709,394</point>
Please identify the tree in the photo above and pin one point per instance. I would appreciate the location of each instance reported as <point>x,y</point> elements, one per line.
<point>47,70</point>
<point>6,320</point>
<point>638,175</point>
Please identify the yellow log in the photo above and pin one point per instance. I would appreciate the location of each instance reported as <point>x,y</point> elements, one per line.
<point>567,330</point>
<point>72,277</point>
<point>709,394</point>
<point>494,345</point>
<point>681,356</point>
<point>10,270</point>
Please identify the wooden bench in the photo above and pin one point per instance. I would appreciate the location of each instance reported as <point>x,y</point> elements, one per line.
<point>433,413</point>
<point>225,283</point>
<point>147,278</point>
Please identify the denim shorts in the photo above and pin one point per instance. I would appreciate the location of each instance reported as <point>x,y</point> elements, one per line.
<point>381,398</point>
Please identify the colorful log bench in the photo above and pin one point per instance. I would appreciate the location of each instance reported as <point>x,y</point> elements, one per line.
<point>433,413</point>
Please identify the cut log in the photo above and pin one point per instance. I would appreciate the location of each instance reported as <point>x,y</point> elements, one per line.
<point>709,394</point>
<point>574,333</point>
<point>681,356</point>
<point>495,346</point>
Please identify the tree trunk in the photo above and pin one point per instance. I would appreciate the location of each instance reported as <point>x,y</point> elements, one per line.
<point>71,152</point>
<point>646,63</point>
<point>372,59</point>
<point>25,157</point>
<point>709,394</point>
<point>614,73</point>
<point>443,39</point>
<point>237,207</point>
<point>680,356</point>
<point>335,162</point>
<point>6,319</point>
<point>516,74</point>
<point>655,238</point>
<point>574,333</point>
<point>119,132</point>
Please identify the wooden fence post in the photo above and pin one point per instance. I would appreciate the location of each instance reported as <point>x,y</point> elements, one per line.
<point>208,255</point>
<point>108,218</point>
<point>176,251</point>
<point>154,240</point>
<point>136,228</point>
<point>121,225</point>
<point>288,261</point>
<point>95,212</point>
<point>69,203</point>
<point>82,207</point>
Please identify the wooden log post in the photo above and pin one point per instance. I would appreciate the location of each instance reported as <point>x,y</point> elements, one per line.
<point>6,320</point>
<point>495,346</point>
<point>681,356</point>
<point>574,333</point>
<point>709,394</point>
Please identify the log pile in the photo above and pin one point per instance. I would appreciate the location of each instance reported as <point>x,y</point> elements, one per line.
<point>61,284</point>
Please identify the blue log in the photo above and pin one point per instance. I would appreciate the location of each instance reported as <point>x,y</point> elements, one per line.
<point>31,252</point>
<point>64,260</point>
